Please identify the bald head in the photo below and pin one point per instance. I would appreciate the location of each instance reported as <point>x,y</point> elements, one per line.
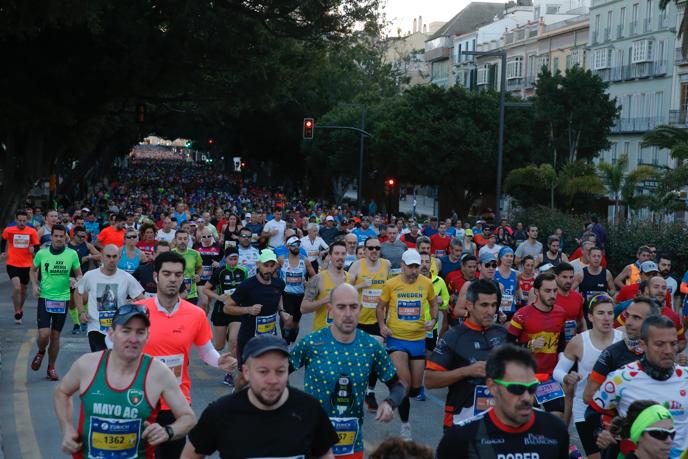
<point>344,310</point>
<point>111,254</point>
<point>344,294</point>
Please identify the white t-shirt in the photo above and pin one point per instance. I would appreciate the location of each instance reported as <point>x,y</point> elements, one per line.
<point>278,239</point>
<point>630,383</point>
<point>163,236</point>
<point>486,249</point>
<point>105,295</point>
<point>313,248</point>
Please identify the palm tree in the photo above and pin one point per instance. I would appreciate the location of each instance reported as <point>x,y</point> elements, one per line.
<point>672,138</point>
<point>621,185</point>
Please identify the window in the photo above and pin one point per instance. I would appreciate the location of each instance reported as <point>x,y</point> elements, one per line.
<point>596,29</point>
<point>555,64</point>
<point>440,72</point>
<point>614,154</point>
<point>532,70</point>
<point>459,57</point>
<point>627,148</point>
<point>642,51</point>
<point>655,156</point>
<point>659,103</point>
<point>514,67</point>
<point>648,14</point>
<point>635,12</point>
<point>660,51</point>
<point>608,30</point>
<point>552,9</point>
<point>542,61</point>
<point>536,14</point>
<point>601,58</point>
<point>483,74</point>
<point>622,18</point>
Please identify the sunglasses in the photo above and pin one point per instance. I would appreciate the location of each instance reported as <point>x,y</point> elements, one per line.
<point>295,244</point>
<point>206,237</point>
<point>80,235</point>
<point>244,236</point>
<point>129,308</point>
<point>661,434</point>
<point>519,388</point>
<point>599,299</point>
<point>492,264</point>
<point>374,247</point>
<point>132,237</point>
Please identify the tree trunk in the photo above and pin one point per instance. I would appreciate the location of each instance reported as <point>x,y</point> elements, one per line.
<point>339,186</point>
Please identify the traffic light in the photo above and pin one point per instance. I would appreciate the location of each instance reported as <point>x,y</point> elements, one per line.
<point>308,126</point>
<point>390,182</point>
<point>389,185</point>
<point>211,141</point>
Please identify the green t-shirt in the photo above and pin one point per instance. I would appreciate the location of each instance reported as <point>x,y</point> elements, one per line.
<point>193,260</point>
<point>55,270</point>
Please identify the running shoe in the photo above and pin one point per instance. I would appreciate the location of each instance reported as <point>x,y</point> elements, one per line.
<point>37,360</point>
<point>52,374</point>
<point>76,329</point>
<point>421,397</point>
<point>18,317</point>
<point>84,328</point>
<point>405,433</point>
<point>229,380</point>
<point>371,402</point>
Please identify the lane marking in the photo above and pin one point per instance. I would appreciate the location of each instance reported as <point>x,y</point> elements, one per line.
<point>28,444</point>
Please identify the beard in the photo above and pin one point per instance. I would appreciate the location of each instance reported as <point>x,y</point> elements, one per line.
<point>266,402</point>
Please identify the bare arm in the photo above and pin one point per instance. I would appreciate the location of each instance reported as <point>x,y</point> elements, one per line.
<point>33,275</point>
<point>62,401</point>
<point>209,291</point>
<point>610,283</point>
<point>184,416</point>
<point>621,278</point>
<point>590,388</point>
<point>309,268</point>
<point>460,310</point>
<point>309,303</point>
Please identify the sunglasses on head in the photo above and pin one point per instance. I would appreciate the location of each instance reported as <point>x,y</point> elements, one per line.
<point>519,388</point>
<point>661,434</point>
<point>129,308</point>
<point>599,299</point>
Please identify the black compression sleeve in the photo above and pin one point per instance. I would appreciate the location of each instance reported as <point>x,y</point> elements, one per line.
<point>397,392</point>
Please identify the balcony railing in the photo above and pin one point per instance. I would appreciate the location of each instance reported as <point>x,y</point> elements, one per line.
<point>633,71</point>
<point>607,34</point>
<point>530,81</point>
<point>679,59</point>
<point>594,37</point>
<point>633,28</point>
<point>624,125</point>
<point>678,118</point>
<point>619,31</point>
<point>647,24</point>
<point>514,83</point>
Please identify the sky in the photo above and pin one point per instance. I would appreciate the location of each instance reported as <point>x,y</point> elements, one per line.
<point>402,12</point>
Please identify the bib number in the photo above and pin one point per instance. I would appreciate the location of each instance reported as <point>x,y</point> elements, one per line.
<point>206,273</point>
<point>20,241</point>
<point>482,400</point>
<point>548,391</point>
<point>507,303</point>
<point>294,278</point>
<point>266,325</point>
<point>105,319</point>
<point>114,438</point>
<point>347,431</point>
<point>408,310</point>
<point>174,363</point>
<point>369,297</point>
<point>569,330</point>
<point>55,307</point>
<point>395,271</point>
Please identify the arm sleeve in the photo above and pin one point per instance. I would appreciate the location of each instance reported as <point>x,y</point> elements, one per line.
<point>563,366</point>
<point>209,354</point>
<point>203,437</point>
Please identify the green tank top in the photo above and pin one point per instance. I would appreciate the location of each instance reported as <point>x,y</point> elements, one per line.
<point>111,421</point>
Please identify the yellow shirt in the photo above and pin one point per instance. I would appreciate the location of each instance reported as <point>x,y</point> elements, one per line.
<point>405,316</point>
<point>322,318</point>
<point>368,296</point>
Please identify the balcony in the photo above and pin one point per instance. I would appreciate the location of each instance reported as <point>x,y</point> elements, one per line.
<point>530,81</point>
<point>678,118</point>
<point>593,40</point>
<point>647,24</point>
<point>513,84</point>
<point>607,34</point>
<point>679,59</point>
<point>632,125</point>
<point>619,31</point>
<point>633,28</point>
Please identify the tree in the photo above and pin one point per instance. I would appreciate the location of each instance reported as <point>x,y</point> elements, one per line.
<point>573,115</point>
<point>530,185</point>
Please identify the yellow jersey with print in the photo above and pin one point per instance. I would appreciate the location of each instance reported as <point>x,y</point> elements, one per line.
<point>322,317</point>
<point>405,316</point>
<point>369,296</point>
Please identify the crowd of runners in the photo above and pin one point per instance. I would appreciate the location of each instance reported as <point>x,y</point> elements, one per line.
<point>534,341</point>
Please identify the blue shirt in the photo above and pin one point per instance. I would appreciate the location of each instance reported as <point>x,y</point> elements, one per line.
<point>337,373</point>
<point>362,234</point>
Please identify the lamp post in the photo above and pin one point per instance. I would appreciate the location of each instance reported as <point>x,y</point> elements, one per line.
<point>500,147</point>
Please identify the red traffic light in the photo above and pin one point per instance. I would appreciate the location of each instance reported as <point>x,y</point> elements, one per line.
<point>211,141</point>
<point>308,126</point>
<point>390,182</point>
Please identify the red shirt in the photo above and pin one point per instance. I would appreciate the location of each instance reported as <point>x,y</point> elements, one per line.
<point>109,235</point>
<point>439,245</point>
<point>572,304</point>
<point>19,243</point>
<point>409,243</point>
<point>455,281</point>
<point>628,292</point>
<point>529,323</point>
<point>170,338</point>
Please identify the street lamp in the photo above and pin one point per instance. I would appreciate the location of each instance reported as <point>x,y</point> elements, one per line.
<point>500,147</point>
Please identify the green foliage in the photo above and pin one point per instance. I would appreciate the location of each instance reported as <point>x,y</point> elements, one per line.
<point>548,220</point>
<point>530,185</point>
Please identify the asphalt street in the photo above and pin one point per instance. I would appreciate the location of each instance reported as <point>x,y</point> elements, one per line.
<point>28,423</point>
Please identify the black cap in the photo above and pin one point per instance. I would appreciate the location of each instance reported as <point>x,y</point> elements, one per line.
<point>120,218</point>
<point>231,250</point>
<point>259,345</point>
<point>126,312</point>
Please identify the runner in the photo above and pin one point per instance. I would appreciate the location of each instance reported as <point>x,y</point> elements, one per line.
<point>315,246</point>
<point>102,291</point>
<point>292,424</point>
<point>368,276</point>
<point>293,271</point>
<point>442,295</point>
<point>211,255</point>
<point>491,245</point>
<point>452,261</point>
<point>655,376</point>
<point>403,325</point>
<point>508,278</point>
<point>439,242</point>
<point>113,234</point>
<point>455,282</point>
<point>275,229</point>
<point>538,327</point>
<point>193,266</point>
<point>46,230</point>
<point>512,428</point>
<point>646,417</point>
<point>458,361</point>
<point>119,391</point>
<point>176,325</point>
<point>664,265</point>
<point>144,273</point>
<point>392,250</point>
<point>147,241</point>
<point>248,255</point>
<point>530,246</point>
<point>648,270</point>
<point>570,300</point>
<point>631,273</point>
<point>553,255</point>
<point>339,383</point>
<point>328,232</point>
<point>351,250</point>
<point>21,241</point>
<point>423,247</point>
<point>364,231</point>
<point>409,238</point>
<point>594,279</point>
<point>219,288</point>
<point>582,352</point>
<point>55,263</point>
<point>131,256</point>
<point>168,230</point>
<point>488,269</point>
<point>318,290</point>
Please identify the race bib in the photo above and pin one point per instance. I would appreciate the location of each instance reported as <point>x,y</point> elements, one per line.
<point>55,307</point>
<point>440,253</point>
<point>266,325</point>
<point>174,363</point>
<point>548,390</point>
<point>188,281</point>
<point>105,319</point>
<point>347,431</point>
<point>369,297</point>
<point>507,303</point>
<point>20,241</point>
<point>394,271</point>
<point>114,438</point>
<point>293,278</point>
<point>569,330</point>
<point>482,399</point>
<point>408,310</point>
<point>206,273</point>
<point>149,295</point>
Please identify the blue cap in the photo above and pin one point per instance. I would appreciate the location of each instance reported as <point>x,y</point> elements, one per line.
<point>487,257</point>
<point>504,250</point>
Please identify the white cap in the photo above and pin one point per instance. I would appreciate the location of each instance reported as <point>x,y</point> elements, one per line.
<point>329,218</point>
<point>248,215</point>
<point>292,240</point>
<point>411,257</point>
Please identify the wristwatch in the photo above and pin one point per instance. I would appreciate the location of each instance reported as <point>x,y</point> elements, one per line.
<point>170,432</point>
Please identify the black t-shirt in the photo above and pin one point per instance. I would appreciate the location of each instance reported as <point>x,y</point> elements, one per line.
<point>144,274</point>
<point>235,428</point>
<point>208,255</point>
<point>251,292</point>
<point>483,437</point>
<point>459,347</point>
<point>612,358</point>
<point>226,279</point>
